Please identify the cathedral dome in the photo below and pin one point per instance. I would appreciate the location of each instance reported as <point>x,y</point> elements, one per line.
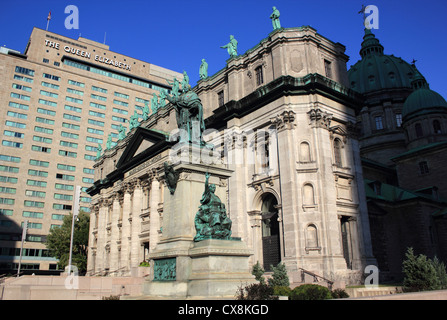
<point>377,71</point>
<point>422,100</point>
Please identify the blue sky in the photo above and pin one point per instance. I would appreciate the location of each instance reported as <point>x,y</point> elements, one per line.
<point>178,34</point>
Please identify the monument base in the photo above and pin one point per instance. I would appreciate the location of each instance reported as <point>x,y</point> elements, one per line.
<point>211,269</point>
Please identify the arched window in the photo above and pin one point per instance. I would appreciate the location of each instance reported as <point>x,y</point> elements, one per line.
<point>437,126</point>
<point>304,152</point>
<point>337,152</point>
<point>270,231</point>
<point>308,195</point>
<point>311,236</point>
<point>418,130</point>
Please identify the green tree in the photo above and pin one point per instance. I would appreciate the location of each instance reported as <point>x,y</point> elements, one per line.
<point>419,272</point>
<point>279,277</point>
<point>440,273</point>
<point>258,272</point>
<point>58,241</point>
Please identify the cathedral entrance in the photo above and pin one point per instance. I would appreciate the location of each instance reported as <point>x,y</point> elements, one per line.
<point>270,232</point>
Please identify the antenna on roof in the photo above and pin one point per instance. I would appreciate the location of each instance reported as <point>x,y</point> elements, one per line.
<point>105,35</point>
<point>48,20</point>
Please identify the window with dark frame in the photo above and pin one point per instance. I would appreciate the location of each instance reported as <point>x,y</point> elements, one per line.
<point>220,98</point>
<point>423,167</point>
<point>259,76</point>
<point>328,68</point>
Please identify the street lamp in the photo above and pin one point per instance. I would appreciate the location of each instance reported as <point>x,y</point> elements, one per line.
<point>77,198</point>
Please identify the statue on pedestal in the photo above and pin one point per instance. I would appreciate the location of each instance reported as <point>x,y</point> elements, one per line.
<point>231,47</point>
<point>275,19</point>
<point>189,116</point>
<point>203,71</point>
<point>171,177</point>
<point>154,103</point>
<point>211,221</point>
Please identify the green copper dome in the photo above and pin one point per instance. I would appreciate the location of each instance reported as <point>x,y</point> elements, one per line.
<point>377,71</point>
<point>422,100</point>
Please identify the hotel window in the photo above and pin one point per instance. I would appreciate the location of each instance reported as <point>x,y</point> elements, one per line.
<point>89,157</point>
<point>31,214</point>
<point>60,196</point>
<point>71,126</point>
<point>71,117</point>
<point>37,173</point>
<point>21,87</point>
<point>97,105</point>
<point>328,68</point>
<point>95,131</point>
<point>121,95</point>
<point>18,105</point>
<point>14,134</point>
<point>15,124</point>
<point>89,171</point>
<point>259,76</point>
<point>423,167</point>
<point>115,118</point>
<point>98,97</point>
<point>39,163</point>
<point>78,92</point>
<point>9,158</point>
<point>76,83</point>
<point>17,115</point>
<point>378,122</point>
<point>13,144</point>
<point>57,206</point>
<point>21,78</point>
<point>45,60</point>
<point>42,139</point>
<point>66,153</point>
<point>94,140</point>
<point>74,100</point>
<point>50,85</point>
<point>9,169</point>
<point>65,177</point>
<point>102,90</point>
<point>37,204</point>
<point>8,179</point>
<point>71,108</point>
<point>49,94</point>
<point>61,186</point>
<point>8,190</point>
<point>51,77</point>
<point>33,193</point>
<point>6,212</point>
<point>69,135</point>
<point>120,111</point>
<point>120,103</point>
<point>36,183</point>
<point>68,144</point>
<point>20,96</point>
<point>96,122</point>
<point>48,103</point>
<point>26,71</point>
<point>57,64</point>
<point>220,98</point>
<point>97,114</point>
<point>43,130</point>
<point>7,201</point>
<point>46,112</point>
<point>41,149</point>
<point>44,120</point>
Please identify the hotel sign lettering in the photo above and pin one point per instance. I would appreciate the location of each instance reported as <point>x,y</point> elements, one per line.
<point>87,55</point>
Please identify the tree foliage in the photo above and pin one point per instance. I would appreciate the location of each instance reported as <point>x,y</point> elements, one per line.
<point>58,241</point>
<point>421,273</point>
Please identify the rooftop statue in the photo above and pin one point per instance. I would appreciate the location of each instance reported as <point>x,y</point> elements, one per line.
<point>154,103</point>
<point>134,123</point>
<point>189,116</point>
<point>98,151</point>
<point>109,142</point>
<point>231,47</point>
<point>203,72</point>
<point>275,19</point>
<point>211,221</point>
<point>162,101</point>
<point>185,81</point>
<point>121,132</point>
<point>146,111</point>
<point>175,86</point>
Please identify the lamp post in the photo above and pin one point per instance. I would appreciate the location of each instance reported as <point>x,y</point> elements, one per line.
<point>75,215</point>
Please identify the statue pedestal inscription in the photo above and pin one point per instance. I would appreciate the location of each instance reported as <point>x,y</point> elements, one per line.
<point>196,255</point>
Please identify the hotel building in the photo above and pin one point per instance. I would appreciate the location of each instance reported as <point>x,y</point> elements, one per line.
<point>60,100</point>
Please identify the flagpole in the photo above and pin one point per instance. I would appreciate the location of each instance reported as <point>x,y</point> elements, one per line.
<point>48,20</point>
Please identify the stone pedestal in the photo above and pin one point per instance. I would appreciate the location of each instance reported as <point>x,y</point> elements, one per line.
<point>183,268</point>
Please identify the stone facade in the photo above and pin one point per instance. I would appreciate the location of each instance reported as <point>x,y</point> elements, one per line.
<point>280,117</point>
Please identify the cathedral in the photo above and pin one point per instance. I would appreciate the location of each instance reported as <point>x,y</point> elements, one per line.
<point>324,169</point>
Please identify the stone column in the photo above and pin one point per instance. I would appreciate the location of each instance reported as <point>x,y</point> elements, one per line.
<point>154,216</point>
<point>125,230</point>
<point>114,237</point>
<point>91,259</point>
<point>137,203</point>
<point>102,236</point>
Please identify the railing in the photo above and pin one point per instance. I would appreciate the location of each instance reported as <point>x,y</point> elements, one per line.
<point>316,277</point>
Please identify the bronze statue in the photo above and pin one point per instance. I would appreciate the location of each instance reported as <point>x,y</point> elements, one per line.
<point>211,221</point>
